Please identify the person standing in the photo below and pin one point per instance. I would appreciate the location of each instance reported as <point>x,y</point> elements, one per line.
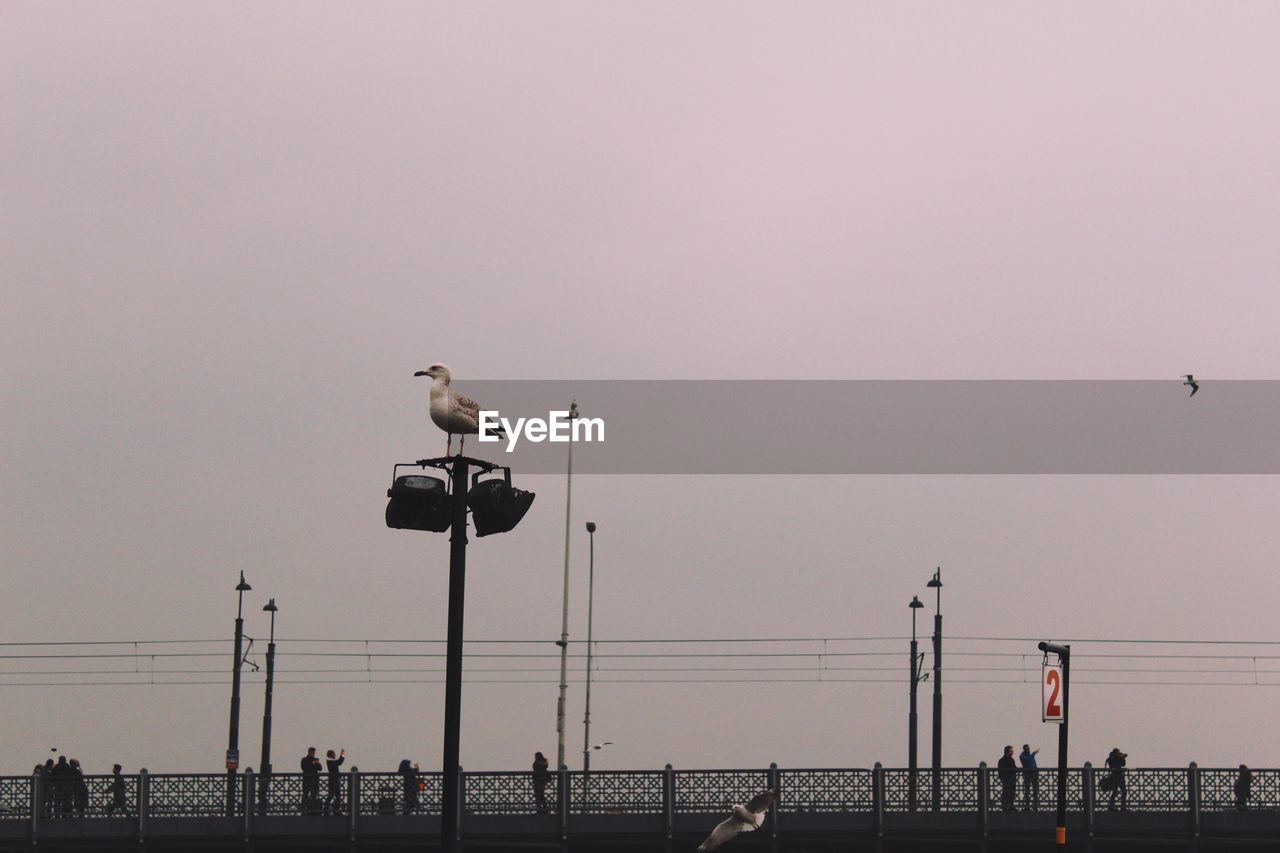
<point>310,781</point>
<point>80,796</point>
<point>409,778</point>
<point>333,802</point>
<point>1244,782</point>
<point>1116,761</point>
<point>64,784</point>
<point>1030,778</point>
<point>1008,770</point>
<point>119,799</point>
<point>541,776</point>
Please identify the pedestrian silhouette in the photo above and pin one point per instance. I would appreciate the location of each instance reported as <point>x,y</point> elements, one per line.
<point>541,777</point>
<point>119,800</point>
<point>1243,783</point>
<point>64,783</point>
<point>1030,778</point>
<point>333,802</point>
<point>310,781</point>
<point>1115,782</point>
<point>409,779</point>
<point>1008,771</point>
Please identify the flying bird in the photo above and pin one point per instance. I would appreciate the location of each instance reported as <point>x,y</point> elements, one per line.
<point>1191,380</point>
<point>746,817</point>
<point>453,413</point>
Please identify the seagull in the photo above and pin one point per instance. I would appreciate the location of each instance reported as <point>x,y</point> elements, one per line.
<point>1191,380</point>
<point>452,412</point>
<point>746,817</point>
<point>602,745</point>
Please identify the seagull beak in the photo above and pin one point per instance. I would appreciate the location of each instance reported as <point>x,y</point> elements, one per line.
<point>422,373</point>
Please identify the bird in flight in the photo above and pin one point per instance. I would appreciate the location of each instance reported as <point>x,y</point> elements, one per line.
<point>1191,380</point>
<point>746,817</point>
<point>453,413</point>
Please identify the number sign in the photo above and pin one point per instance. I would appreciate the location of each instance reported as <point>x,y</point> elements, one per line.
<point>1051,693</point>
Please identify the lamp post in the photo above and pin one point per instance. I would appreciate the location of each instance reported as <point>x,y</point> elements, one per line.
<point>1064,657</point>
<point>586,719</point>
<point>936,583</point>
<point>420,503</point>
<point>233,739</point>
<point>264,767</point>
<point>564,613</point>
<point>912,746</point>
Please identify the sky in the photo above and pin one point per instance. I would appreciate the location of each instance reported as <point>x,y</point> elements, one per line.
<point>230,233</point>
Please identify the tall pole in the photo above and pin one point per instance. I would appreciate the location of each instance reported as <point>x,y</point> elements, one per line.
<point>453,656</point>
<point>233,739</point>
<point>912,716</point>
<point>591,583</point>
<point>936,583</point>
<point>1064,656</point>
<point>564,615</point>
<point>264,767</point>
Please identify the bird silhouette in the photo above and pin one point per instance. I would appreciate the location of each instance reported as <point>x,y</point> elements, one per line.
<point>453,413</point>
<point>746,817</point>
<point>1191,380</point>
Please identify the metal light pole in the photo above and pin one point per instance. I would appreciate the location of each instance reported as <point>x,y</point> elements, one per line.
<point>564,617</point>
<point>586,719</point>
<point>233,740</point>
<point>912,746</point>
<point>1064,656</point>
<point>453,655</point>
<point>264,767</point>
<point>936,583</point>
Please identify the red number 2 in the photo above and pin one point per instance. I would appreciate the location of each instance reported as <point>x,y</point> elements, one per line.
<point>1054,680</point>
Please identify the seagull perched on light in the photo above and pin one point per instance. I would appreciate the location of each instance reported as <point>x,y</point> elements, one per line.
<point>453,413</point>
<point>746,817</point>
<point>1191,380</point>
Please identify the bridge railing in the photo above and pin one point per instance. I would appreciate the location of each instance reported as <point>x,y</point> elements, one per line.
<point>15,796</point>
<point>826,791</point>
<point>1218,789</point>
<point>393,793</point>
<point>192,795</point>
<point>616,792</point>
<point>1163,789</point>
<point>170,795</point>
<point>716,790</point>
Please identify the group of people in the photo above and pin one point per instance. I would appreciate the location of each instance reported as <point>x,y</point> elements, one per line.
<point>311,782</point>
<point>67,792</point>
<point>1113,784</point>
<point>1007,769</point>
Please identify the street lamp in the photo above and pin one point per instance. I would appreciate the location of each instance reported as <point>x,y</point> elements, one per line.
<point>936,583</point>
<point>912,751</point>
<point>264,767</point>
<point>586,720</point>
<point>496,507</point>
<point>233,740</point>
<point>564,613</point>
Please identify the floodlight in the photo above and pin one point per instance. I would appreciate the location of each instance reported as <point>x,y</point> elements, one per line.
<point>419,502</point>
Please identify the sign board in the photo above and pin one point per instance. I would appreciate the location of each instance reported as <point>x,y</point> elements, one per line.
<point>233,759</point>
<point>1051,689</point>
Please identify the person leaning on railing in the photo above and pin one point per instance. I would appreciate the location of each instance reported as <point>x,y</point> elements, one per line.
<point>1243,783</point>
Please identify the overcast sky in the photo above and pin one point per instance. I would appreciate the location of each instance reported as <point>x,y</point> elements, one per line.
<point>231,233</point>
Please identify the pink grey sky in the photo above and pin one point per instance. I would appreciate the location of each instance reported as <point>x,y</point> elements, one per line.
<point>231,232</point>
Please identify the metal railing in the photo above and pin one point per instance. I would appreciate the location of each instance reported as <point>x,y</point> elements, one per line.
<point>646,792</point>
